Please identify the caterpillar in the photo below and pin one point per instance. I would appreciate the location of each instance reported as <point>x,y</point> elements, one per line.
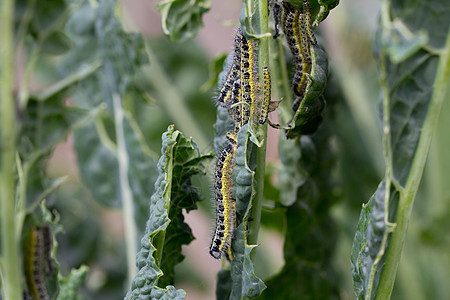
<point>300,80</point>
<point>225,203</point>
<point>239,95</point>
<point>36,253</point>
<point>266,96</point>
<point>48,246</point>
<point>308,24</point>
<point>225,94</point>
<point>298,30</point>
<point>244,86</point>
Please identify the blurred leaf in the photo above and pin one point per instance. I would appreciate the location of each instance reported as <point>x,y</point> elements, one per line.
<point>99,37</point>
<point>69,285</point>
<point>412,101</point>
<point>310,232</point>
<point>223,288</point>
<point>291,178</point>
<point>174,77</point>
<point>182,19</point>
<point>249,20</point>
<point>100,170</point>
<point>56,44</point>
<point>46,13</point>
<point>46,122</point>
<point>165,228</point>
<point>215,68</point>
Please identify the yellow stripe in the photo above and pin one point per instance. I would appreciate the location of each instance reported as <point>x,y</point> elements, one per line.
<point>266,96</point>
<point>34,259</point>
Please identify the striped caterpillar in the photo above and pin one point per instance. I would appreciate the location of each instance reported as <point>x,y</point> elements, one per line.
<point>239,94</point>
<point>266,96</point>
<point>297,28</point>
<point>37,261</point>
<point>225,203</point>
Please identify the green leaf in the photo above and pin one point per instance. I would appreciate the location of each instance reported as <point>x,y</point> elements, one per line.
<point>291,178</point>
<point>215,68</point>
<point>100,171</point>
<point>310,238</point>
<point>223,288</point>
<point>245,283</point>
<point>165,227</point>
<point>46,13</point>
<point>414,81</point>
<point>182,19</point>
<point>308,116</point>
<point>56,44</point>
<point>46,122</point>
<point>97,35</point>
<point>69,285</point>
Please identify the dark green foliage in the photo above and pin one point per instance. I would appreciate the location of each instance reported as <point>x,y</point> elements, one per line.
<point>310,239</point>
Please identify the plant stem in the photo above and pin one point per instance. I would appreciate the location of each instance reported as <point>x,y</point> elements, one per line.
<point>126,194</point>
<point>262,132</point>
<point>10,244</point>
<point>407,196</point>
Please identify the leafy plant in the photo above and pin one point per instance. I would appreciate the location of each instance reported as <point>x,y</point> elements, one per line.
<point>112,92</point>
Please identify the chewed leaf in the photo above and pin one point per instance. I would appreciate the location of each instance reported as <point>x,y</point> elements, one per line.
<point>69,285</point>
<point>159,247</point>
<point>371,238</point>
<point>413,76</point>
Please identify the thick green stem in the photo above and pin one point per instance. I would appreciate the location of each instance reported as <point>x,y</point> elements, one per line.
<point>408,194</point>
<point>10,264</point>
<point>262,133</point>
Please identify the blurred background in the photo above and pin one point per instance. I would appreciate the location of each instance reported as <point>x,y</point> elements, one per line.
<point>94,234</point>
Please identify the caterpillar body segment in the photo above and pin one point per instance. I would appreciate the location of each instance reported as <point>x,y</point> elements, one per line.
<point>35,256</point>
<point>248,80</point>
<point>48,246</point>
<point>300,80</point>
<point>277,17</point>
<point>225,203</point>
<point>225,94</point>
<point>308,24</point>
<point>298,30</point>
<point>266,96</point>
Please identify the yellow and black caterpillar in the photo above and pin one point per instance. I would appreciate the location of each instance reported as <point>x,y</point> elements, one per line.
<point>296,25</point>
<point>37,261</point>
<point>239,95</point>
